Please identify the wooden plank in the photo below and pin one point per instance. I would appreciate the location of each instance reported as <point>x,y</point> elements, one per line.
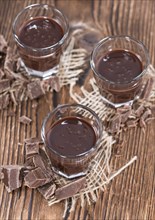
<point>131,195</point>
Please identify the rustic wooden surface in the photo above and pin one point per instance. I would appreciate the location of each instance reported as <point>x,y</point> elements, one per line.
<point>131,195</point>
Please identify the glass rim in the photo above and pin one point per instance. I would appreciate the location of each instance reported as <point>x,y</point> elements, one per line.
<point>147,58</point>
<point>92,149</point>
<point>44,48</point>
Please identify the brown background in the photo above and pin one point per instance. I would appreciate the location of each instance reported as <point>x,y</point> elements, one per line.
<point>131,195</point>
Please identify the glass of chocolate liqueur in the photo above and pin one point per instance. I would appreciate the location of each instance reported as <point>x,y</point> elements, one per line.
<point>72,135</point>
<point>119,64</point>
<point>41,33</point>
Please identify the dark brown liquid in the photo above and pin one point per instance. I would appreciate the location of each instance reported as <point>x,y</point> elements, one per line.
<point>71,136</point>
<point>40,32</point>
<point>120,66</point>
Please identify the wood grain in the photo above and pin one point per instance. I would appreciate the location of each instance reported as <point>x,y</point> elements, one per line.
<point>131,195</point>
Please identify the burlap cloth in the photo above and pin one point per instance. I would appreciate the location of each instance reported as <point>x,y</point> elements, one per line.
<point>100,173</point>
<point>74,62</point>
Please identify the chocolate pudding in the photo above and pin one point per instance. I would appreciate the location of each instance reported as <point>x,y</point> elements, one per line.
<point>36,35</point>
<point>70,137</point>
<point>118,71</point>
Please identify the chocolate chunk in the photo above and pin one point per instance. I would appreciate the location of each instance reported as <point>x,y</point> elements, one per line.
<point>12,97</point>
<point>36,178</point>
<point>123,109</point>
<point>2,60</point>
<point>2,74</point>
<point>12,177</point>
<point>31,150</point>
<point>39,161</point>
<point>51,84</point>
<point>115,124</point>
<point>32,141</point>
<point>35,90</point>
<point>29,164</point>
<point>131,123</point>
<point>4,85</point>
<point>47,190</point>
<point>146,114</point>
<point>125,116</point>
<point>3,44</point>
<point>9,64</point>
<point>4,101</point>
<point>142,123</point>
<point>70,189</point>
<point>139,111</point>
<point>25,120</point>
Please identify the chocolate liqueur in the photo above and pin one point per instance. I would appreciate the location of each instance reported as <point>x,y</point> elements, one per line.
<point>71,137</point>
<point>120,66</point>
<point>40,32</point>
<point>120,69</point>
<point>69,140</point>
<point>38,36</point>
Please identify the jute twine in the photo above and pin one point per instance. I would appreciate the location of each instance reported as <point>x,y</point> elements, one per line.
<point>99,173</point>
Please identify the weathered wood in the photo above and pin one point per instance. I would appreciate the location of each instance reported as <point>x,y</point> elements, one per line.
<point>131,195</point>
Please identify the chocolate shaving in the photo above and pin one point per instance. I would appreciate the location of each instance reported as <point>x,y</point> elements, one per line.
<point>25,120</point>
<point>47,190</point>
<point>131,123</point>
<point>146,114</point>
<point>142,123</point>
<point>35,90</point>
<point>2,74</point>
<point>123,109</point>
<point>2,60</point>
<point>70,189</point>
<point>12,177</point>
<point>139,111</point>
<point>115,124</point>
<point>9,64</point>
<point>125,116</point>
<point>4,101</point>
<point>51,84</point>
<point>4,85</point>
<point>36,178</point>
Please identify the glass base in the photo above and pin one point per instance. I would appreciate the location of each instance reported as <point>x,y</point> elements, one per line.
<point>68,176</point>
<point>40,74</point>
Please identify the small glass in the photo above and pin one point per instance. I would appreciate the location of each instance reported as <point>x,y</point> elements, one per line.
<point>122,93</point>
<point>71,166</point>
<point>40,61</point>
